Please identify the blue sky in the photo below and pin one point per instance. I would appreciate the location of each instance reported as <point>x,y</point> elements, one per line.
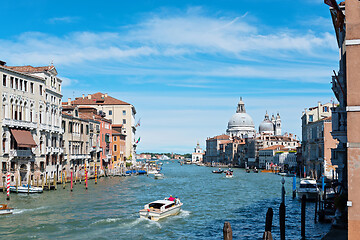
<point>182,64</point>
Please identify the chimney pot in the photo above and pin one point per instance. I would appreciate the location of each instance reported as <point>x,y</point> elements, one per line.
<point>69,101</point>
<point>106,95</point>
<point>89,96</point>
<point>83,96</point>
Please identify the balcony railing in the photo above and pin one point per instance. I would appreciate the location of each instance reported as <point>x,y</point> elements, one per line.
<point>79,156</point>
<point>339,123</point>
<point>19,123</point>
<point>21,153</point>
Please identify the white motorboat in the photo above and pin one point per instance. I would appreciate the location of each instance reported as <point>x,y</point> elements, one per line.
<point>26,189</point>
<point>308,187</point>
<point>158,175</point>
<point>152,171</point>
<point>4,209</point>
<point>161,208</point>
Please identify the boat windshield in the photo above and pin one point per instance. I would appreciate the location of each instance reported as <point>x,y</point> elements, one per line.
<point>156,205</point>
<point>307,186</point>
<point>170,205</point>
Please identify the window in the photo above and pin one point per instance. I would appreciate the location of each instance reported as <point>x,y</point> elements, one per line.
<point>11,82</point>
<point>114,138</point>
<point>110,112</point>
<point>325,109</point>
<point>21,84</point>
<point>25,86</point>
<point>16,83</point>
<point>124,112</point>
<point>81,128</point>
<point>87,129</point>
<point>311,118</point>
<point>124,121</point>
<point>32,87</point>
<point>41,90</point>
<point>4,80</point>
<point>115,147</point>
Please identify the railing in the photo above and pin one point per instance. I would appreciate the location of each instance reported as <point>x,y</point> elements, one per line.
<point>79,156</point>
<point>18,123</point>
<point>21,153</point>
<point>49,150</point>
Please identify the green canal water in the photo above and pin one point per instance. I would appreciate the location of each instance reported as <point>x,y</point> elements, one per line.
<point>109,210</point>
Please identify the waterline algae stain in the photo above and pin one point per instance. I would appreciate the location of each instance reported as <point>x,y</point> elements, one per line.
<point>109,209</point>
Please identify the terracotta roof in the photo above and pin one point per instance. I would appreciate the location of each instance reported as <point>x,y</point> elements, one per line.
<point>92,116</point>
<point>281,147</point>
<point>220,137</point>
<point>29,69</point>
<point>98,99</point>
<point>65,107</point>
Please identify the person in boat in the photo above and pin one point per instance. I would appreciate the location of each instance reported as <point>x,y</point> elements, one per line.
<point>171,198</point>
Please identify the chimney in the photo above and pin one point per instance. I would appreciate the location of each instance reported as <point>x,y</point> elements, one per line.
<point>106,95</point>
<point>89,96</point>
<point>83,96</point>
<point>319,109</point>
<point>102,96</point>
<point>69,101</point>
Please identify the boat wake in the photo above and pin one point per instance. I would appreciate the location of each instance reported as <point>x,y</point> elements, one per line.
<point>107,220</point>
<point>19,211</point>
<point>184,213</point>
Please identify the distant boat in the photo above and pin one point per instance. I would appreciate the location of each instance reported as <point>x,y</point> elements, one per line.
<point>255,170</point>
<point>159,176</point>
<point>229,174</point>
<point>218,171</point>
<point>26,189</point>
<point>4,209</point>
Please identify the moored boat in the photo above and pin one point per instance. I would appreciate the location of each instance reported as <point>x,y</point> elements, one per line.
<point>161,208</point>
<point>308,188</point>
<point>26,189</point>
<point>4,209</point>
<point>255,170</point>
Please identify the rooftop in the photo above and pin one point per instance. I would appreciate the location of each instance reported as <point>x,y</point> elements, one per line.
<point>98,99</point>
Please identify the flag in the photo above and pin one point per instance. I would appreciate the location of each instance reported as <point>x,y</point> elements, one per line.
<point>138,123</point>
<point>138,141</point>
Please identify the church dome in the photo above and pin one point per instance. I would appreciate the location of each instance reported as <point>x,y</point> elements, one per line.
<point>240,120</point>
<point>266,126</point>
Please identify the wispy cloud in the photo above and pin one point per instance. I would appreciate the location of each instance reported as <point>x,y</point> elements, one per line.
<point>65,19</point>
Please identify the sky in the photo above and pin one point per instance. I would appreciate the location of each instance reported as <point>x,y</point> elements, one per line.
<point>183,64</point>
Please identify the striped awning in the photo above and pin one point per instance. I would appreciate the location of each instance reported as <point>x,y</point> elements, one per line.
<point>23,138</point>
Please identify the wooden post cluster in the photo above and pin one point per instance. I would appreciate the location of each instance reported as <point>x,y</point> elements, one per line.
<point>227,231</point>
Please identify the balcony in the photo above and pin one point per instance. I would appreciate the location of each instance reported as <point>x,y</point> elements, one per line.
<point>339,124</point>
<point>79,156</point>
<point>21,153</point>
<point>19,123</point>
<point>338,88</point>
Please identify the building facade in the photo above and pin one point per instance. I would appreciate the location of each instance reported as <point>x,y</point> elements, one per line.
<point>30,122</point>
<point>119,148</point>
<point>197,155</point>
<point>317,141</point>
<point>119,112</point>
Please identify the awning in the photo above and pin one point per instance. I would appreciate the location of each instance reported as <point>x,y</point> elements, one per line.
<point>23,138</point>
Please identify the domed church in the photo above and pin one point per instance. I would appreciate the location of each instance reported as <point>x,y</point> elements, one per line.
<point>271,127</point>
<point>241,124</point>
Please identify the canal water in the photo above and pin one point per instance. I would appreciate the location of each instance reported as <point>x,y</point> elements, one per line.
<point>109,210</point>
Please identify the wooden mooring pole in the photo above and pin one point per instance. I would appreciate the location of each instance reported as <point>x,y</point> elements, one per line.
<point>282,220</point>
<point>303,206</point>
<point>268,224</point>
<point>227,231</point>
